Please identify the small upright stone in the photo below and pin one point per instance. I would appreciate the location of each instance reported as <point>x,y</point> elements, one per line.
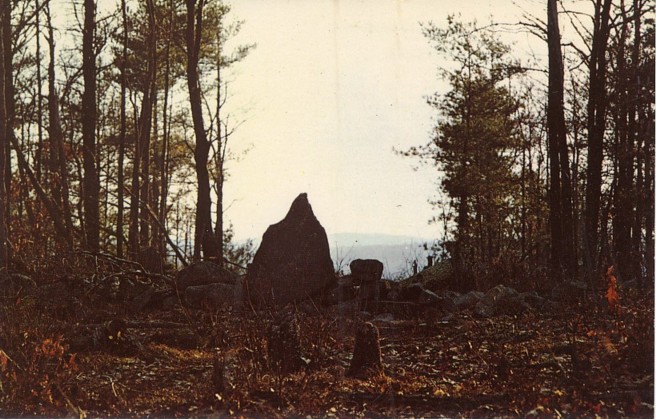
<point>366,270</point>
<point>367,273</point>
<point>285,354</point>
<point>367,359</point>
<point>218,375</point>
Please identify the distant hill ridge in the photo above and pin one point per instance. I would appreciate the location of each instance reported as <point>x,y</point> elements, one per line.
<point>396,252</point>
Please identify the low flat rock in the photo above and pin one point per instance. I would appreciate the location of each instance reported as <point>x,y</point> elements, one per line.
<point>214,295</point>
<point>203,273</point>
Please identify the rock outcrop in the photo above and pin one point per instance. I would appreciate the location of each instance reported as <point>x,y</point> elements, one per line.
<point>293,262</point>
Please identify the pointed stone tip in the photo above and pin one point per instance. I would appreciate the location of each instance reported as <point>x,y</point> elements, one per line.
<point>301,205</point>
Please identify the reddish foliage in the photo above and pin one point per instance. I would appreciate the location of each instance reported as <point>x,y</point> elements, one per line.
<point>612,296</point>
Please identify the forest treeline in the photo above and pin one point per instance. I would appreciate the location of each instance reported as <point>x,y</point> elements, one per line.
<point>97,136</point>
<point>546,169</point>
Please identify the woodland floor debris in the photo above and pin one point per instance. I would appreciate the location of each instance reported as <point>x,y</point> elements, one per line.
<point>579,361</point>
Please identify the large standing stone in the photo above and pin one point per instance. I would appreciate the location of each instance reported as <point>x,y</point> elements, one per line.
<point>293,261</point>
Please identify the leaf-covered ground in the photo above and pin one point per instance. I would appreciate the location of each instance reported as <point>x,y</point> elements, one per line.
<point>580,361</point>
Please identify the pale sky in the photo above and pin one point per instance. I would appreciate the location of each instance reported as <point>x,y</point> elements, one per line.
<point>331,89</point>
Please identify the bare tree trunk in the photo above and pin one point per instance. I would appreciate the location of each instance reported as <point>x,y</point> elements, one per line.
<point>220,160</point>
<point>596,127</point>
<point>203,226</point>
<point>133,234</point>
<point>39,96</point>
<point>121,147</point>
<point>164,159</point>
<point>4,256</point>
<point>560,196</point>
<point>145,125</point>
<point>91,182</point>
<point>649,198</point>
<point>623,202</point>
<point>635,139</point>
<point>59,183</point>
<point>10,108</point>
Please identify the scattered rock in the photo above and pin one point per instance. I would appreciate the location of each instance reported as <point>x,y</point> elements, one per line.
<point>367,359</point>
<point>384,317</point>
<point>531,300</point>
<point>140,301</point>
<point>447,294</point>
<point>468,300</point>
<point>293,262</point>
<point>434,278</point>
<point>411,292</point>
<point>203,273</point>
<point>214,295</point>
<point>429,299</point>
<point>569,291</point>
<point>285,354</point>
<point>366,270</point>
<point>13,284</point>
<point>109,337</point>
<point>498,300</point>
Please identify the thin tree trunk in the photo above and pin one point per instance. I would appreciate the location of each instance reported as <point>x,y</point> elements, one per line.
<point>560,204</point>
<point>220,159</point>
<point>649,198</point>
<point>133,234</point>
<point>164,160</point>
<point>59,183</point>
<point>10,109</point>
<point>121,147</point>
<point>623,203</point>
<point>203,227</point>
<point>39,95</point>
<point>4,256</point>
<point>145,125</point>
<point>91,182</point>
<point>596,126</point>
<point>635,139</point>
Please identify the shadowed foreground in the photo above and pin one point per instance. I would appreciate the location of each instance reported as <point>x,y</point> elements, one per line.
<point>579,362</point>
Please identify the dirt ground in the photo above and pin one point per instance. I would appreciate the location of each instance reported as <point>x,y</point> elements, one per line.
<point>581,361</point>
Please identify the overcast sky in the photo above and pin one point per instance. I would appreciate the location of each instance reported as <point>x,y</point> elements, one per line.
<point>331,89</point>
